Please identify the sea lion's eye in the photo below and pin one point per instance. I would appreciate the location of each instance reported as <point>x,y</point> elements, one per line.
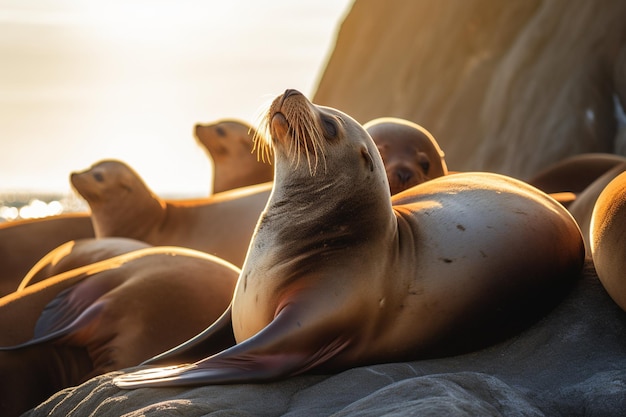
<point>220,132</point>
<point>330,127</point>
<point>98,177</point>
<point>423,162</point>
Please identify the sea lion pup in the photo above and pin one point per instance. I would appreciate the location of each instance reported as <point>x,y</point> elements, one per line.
<point>228,143</point>
<point>410,153</point>
<point>24,242</point>
<point>77,253</point>
<point>338,274</point>
<point>122,205</point>
<point>608,238</point>
<point>107,316</point>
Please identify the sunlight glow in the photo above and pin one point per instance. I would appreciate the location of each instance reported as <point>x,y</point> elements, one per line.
<point>129,80</point>
<point>37,209</point>
<point>150,21</point>
<point>9,213</point>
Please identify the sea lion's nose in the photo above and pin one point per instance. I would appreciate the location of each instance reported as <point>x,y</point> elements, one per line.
<point>404,174</point>
<point>290,92</point>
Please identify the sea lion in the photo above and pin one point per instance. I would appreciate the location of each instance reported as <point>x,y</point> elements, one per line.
<point>122,205</point>
<point>77,253</point>
<point>575,173</point>
<point>338,274</point>
<point>410,152</point>
<point>582,207</point>
<point>608,238</point>
<point>24,242</point>
<point>228,143</point>
<point>106,316</point>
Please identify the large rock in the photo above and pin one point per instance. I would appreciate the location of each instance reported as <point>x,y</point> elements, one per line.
<point>571,363</point>
<point>504,86</point>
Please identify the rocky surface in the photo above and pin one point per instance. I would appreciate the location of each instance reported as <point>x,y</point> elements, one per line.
<point>570,363</point>
<point>504,86</point>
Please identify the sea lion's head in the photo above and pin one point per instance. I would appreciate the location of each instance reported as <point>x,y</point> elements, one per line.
<point>314,141</point>
<point>107,180</point>
<point>410,152</point>
<point>224,139</point>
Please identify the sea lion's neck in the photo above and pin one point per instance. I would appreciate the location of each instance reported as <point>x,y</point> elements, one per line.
<point>133,222</point>
<point>231,177</point>
<point>318,223</point>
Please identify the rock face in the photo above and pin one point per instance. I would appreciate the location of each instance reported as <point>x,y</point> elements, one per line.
<point>503,86</point>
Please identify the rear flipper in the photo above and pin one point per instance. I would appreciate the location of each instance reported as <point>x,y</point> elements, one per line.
<point>215,338</point>
<point>66,313</point>
<point>289,345</point>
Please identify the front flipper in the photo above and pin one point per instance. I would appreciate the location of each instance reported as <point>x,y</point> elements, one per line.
<point>215,338</point>
<point>288,346</point>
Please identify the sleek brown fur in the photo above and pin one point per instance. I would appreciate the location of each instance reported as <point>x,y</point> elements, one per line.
<point>123,206</point>
<point>77,253</point>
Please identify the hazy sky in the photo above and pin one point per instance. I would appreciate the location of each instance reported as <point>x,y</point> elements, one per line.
<point>85,80</point>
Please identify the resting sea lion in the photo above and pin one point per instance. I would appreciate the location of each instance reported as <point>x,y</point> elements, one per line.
<point>23,242</point>
<point>608,238</point>
<point>338,274</point>
<point>77,253</point>
<point>106,316</point>
<point>410,153</point>
<point>583,205</point>
<point>229,145</point>
<point>575,173</point>
<point>122,205</point>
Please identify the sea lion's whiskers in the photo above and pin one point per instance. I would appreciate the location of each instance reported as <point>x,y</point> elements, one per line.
<point>297,153</point>
<point>262,143</point>
<point>319,143</point>
<point>305,133</point>
<point>302,137</point>
<point>291,115</point>
<point>291,151</point>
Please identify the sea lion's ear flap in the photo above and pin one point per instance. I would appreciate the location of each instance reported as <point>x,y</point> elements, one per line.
<point>368,158</point>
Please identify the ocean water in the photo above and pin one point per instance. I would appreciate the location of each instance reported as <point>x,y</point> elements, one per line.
<point>26,205</point>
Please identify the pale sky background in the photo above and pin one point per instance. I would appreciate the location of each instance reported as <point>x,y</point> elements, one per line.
<point>85,80</point>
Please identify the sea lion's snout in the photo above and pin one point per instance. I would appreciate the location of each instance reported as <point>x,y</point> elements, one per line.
<point>294,126</point>
<point>278,125</point>
<point>74,177</point>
